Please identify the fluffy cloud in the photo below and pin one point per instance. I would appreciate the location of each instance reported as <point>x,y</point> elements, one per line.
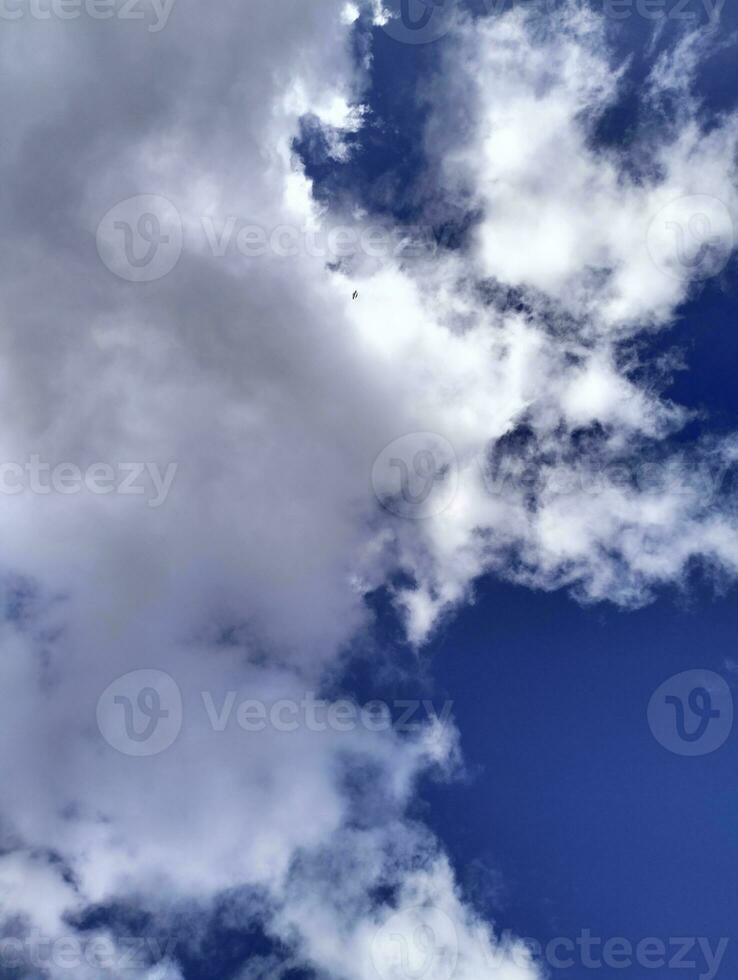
<point>565,476</point>
<point>565,216</point>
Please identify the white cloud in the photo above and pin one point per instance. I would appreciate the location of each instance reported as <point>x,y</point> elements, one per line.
<point>562,215</point>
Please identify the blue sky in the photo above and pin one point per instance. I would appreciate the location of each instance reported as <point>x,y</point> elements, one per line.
<point>575,801</point>
<point>483,472</point>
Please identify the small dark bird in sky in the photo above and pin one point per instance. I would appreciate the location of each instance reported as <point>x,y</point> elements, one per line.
<point>356,294</point>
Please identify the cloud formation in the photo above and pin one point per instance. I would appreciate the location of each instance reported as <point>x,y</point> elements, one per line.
<point>496,374</point>
<point>567,471</point>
